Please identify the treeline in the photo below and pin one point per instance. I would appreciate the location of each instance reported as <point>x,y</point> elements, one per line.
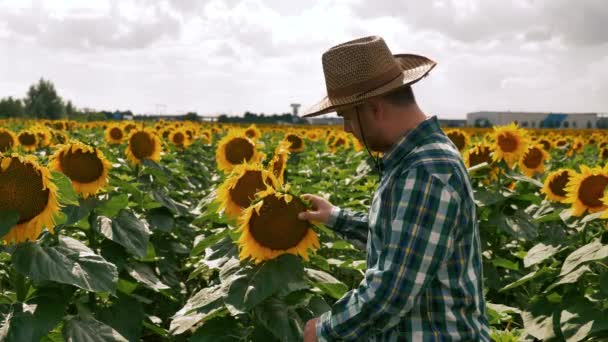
<point>261,118</point>
<point>43,102</point>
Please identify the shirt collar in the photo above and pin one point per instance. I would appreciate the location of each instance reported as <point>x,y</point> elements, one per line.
<point>410,140</point>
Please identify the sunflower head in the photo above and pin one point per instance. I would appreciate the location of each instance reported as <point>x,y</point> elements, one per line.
<point>253,132</point>
<point>180,138</point>
<point>532,162</point>
<point>555,184</point>
<point>547,144</point>
<point>603,153</point>
<point>278,164</point>
<point>270,227</point>
<point>44,136</point>
<point>114,134</point>
<point>207,137</point>
<point>510,142</point>
<point>296,142</point>
<point>235,148</point>
<point>585,190</point>
<point>143,144</point>
<point>459,138</point>
<point>28,140</point>
<point>8,140</point>
<point>86,167</point>
<point>480,153</point>
<point>27,188</point>
<point>340,142</point>
<point>239,189</point>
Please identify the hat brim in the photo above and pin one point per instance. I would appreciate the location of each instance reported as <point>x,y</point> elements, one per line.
<point>414,68</point>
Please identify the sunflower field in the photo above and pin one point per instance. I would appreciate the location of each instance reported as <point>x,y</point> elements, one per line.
<point>183,231</point>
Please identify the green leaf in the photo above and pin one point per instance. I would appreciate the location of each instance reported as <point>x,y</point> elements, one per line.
<point>198,308</point>
<point>208,241</point>
<point>282,321</point>
<point>71,262</point>
<point>75,213</point>
<point>260,282</point>
<point>169,203</point>
<point>505,263</point>
<point>484,198</point>
<point>540,253</point>
<point>127,230</point>
<point>594,250</point>
<point>65,191</point>
<point>570,278</point>
<point>525,179</point>
<point>8,219</point>
<point>327,283</point>
<point>224,329</point>
<point>161,219</point>
<point>528,277</point>
<point>538,319</point>
<point>80,329</point>
<point>125,316</point>
<point>31,321</point>
<point>145,275</point>
<point>114,205</point>
<point>581,320</point>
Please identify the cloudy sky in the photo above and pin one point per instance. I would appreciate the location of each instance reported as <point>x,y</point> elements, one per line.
<point>214,56</point>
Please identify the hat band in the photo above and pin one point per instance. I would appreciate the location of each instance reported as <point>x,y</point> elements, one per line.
<point>367,85</point>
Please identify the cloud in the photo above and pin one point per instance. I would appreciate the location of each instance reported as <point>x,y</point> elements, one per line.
<point>582,23</point>
<point>86,30</point>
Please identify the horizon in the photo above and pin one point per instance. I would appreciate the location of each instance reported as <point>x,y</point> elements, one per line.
<point>228,57</point>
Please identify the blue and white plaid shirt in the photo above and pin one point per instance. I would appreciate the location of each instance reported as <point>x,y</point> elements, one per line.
<point>424,270</point>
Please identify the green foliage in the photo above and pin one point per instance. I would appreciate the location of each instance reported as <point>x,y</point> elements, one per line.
<point>42,101</point>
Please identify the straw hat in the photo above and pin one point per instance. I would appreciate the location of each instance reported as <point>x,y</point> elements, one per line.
<point>364,68</point>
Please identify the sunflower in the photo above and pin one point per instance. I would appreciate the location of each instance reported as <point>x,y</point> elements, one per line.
<point>480,153</point>
<point>554,187</point>
<point>84,165</point>
<point>239,189</point>
<point>271,227</point>
<point>114,134</point>
<point>252,132</point>
<point>8,140</point>
<point>459,138</point>
<point>180,138</point>
<point>603,152</point>
<point>296,143</point>
<point>510,142</point>
<point>143,144</point>
<point>585,190</point>
<point>28,140</point>
<point>546,143</point>
<point>533,160</point>
<point>313,135</point>
<point>27,188</point>
<point>577,146</point>
<point>59,138</point>
<point>235,148</point>
<point>278,163</point>
<point>341,142</point>
<point>207,137</point>
<point>44,136</point>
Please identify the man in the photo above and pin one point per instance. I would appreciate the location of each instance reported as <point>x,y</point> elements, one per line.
<point>424,270</point>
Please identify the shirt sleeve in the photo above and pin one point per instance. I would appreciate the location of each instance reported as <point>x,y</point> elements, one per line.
<point>416,242</point>
<point>352,227</point>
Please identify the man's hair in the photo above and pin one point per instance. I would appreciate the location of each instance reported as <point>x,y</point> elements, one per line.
<point>402,96</point>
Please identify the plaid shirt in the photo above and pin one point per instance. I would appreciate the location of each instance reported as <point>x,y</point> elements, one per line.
<point>424,270</point>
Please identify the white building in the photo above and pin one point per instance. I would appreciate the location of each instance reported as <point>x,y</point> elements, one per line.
<point>533,120</point>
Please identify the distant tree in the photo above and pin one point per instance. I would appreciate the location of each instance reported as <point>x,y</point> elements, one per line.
<point>190,116</point>
<point>10,108</point>
<point>70,110</point>
<point>42,101</point>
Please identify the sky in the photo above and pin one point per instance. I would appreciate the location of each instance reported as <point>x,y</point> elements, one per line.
<point>213,56</point>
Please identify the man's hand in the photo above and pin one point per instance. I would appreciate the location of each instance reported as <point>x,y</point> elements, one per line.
<point>321,209</point>
<point>310,332</point>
